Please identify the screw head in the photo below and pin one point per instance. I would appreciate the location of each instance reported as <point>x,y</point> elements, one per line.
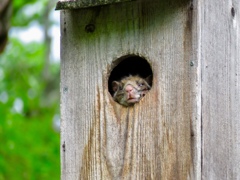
<point>90,28</point>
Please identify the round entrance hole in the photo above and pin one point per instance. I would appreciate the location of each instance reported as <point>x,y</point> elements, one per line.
<point>130,65</point>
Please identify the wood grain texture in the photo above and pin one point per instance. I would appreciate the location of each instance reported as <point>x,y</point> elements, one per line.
<point>159,137</point>
<point>220,54</point>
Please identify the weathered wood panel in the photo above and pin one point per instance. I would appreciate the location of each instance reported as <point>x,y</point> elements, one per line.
<point>159,137</point>
<point>220,55</point>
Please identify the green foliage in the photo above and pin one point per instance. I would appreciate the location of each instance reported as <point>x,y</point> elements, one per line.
<point>28,103</point>
<point>25,12</point>
<point>29,145</point>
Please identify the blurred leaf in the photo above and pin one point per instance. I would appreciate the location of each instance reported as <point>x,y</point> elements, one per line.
<point>26,11</point>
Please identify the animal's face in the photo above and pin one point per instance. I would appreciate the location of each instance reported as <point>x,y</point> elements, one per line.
<point>130,89</point>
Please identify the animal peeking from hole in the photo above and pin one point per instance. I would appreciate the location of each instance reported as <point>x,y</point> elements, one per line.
<point>131,89</point>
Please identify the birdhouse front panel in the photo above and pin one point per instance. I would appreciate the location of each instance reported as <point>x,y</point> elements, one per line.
<point>128,103</point>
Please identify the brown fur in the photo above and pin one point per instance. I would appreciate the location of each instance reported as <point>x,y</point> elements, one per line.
<point>130,90</point>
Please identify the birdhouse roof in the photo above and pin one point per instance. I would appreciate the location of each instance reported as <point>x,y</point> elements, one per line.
<point>77,4</point>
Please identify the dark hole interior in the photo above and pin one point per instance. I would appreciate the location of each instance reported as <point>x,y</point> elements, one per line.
<point>131,65</point>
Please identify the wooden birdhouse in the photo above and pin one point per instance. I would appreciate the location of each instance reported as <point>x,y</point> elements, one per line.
<point>187,124</point>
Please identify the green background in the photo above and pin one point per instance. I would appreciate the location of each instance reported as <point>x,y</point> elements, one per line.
<point>29,143</point>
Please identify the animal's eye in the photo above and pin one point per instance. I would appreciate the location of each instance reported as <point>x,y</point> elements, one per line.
<point>140,84</point>
<point>120,88</point>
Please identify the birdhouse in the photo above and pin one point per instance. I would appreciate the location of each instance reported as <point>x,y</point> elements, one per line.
<point>169,132</point>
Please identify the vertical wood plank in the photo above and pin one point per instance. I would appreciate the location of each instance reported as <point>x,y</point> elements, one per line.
<point>220,54</point>
<point>158,137</point>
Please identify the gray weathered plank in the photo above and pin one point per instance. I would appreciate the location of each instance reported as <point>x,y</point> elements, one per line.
<point>159,137</point>
<point>220,54</point>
